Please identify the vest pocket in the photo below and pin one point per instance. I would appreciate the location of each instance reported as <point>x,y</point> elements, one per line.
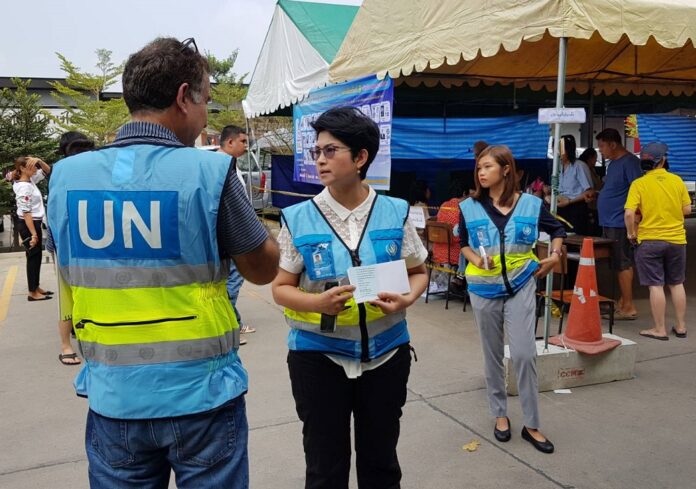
<point>317,253</point>
<point>478,233</point>
<point>386,244</point>
<point>525,230</point>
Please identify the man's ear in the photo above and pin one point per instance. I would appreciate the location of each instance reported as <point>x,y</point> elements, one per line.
<point>181,98</point>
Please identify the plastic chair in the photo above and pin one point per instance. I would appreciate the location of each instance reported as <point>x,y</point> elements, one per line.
<point>441,232</point>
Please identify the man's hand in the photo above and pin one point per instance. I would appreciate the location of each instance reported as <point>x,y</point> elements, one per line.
<point>589,196</point>
<point>390,302</point>
<point>333,301</point>
<point>546,265</point>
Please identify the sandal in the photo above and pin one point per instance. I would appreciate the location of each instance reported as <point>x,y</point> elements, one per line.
<point>69,356</point>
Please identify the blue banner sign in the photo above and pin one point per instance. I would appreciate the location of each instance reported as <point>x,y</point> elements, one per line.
<point>373,97</point>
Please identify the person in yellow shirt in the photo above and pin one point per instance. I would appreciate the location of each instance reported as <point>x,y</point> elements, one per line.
<point>660,256</point>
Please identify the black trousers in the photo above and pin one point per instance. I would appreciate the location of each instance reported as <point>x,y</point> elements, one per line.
<point>33,254</point>
<point>578,215</point>
<point>325,398</point>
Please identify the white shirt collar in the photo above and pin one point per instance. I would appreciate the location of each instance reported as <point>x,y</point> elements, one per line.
<point>359,212</point>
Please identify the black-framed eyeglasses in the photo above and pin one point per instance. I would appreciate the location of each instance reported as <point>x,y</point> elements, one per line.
<point>189,43</point>
<point>329,151</point>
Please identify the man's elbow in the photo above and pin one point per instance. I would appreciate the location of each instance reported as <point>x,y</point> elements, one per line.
<point>686,210</point>
<point>260,266</point>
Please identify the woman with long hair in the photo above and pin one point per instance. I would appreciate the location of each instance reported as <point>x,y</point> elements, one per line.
<point>498,230</point>
<point>574,187</point>
<point>347,358</point>
<point>30,209</point>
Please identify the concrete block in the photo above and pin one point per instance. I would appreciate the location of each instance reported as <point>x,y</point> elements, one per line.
<point>559,368</point>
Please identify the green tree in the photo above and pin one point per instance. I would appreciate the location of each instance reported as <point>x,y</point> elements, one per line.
<point>81,97</point>
<point>24,130</point>
<point>227,92</point>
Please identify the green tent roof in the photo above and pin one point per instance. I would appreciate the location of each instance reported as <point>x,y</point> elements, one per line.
<point>323,24</point>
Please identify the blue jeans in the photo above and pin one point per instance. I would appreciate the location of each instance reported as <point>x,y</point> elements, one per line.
<point>206,450</point>
<point>234,284</point>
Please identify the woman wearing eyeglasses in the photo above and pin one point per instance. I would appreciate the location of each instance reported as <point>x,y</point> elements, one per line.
<point>347,358</point>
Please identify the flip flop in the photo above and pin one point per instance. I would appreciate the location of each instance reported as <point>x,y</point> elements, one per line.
<point>624,317</point>
<point>654,336</point>
<point>677,334</point>
<point>70,356</point>
<point>31,299</point>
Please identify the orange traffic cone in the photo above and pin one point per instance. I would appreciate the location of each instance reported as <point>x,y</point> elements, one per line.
<point>584,331</point>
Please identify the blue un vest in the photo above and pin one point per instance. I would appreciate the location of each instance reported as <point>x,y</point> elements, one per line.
<point>135,233</point>
<point>514,259</point>
<point>327,259</point>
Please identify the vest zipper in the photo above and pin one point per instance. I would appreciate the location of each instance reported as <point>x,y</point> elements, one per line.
<point>355,259</point>
<point>81,324</point>
<point>502,263</point>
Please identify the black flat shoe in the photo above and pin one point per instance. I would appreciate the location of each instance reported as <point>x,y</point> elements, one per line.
<point>45,298</point>
<point>542,446</point>
<point>503,435</point>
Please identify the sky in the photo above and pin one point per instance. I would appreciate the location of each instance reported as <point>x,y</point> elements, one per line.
<point>33,31</point>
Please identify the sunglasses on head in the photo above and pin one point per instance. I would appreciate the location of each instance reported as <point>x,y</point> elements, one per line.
<point>189,43</point>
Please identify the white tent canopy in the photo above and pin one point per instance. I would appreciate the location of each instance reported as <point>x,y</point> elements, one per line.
<point>638,46</point>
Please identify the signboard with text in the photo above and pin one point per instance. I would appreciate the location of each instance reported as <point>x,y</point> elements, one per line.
<point>562,116</point>
<point>373,97</point>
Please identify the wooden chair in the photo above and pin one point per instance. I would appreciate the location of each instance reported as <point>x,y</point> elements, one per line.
<point>562,297</point>
<point>441,232</point>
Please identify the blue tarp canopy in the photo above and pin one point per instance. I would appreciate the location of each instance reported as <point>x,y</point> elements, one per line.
<point>678,133</point>
<point>453,139</point>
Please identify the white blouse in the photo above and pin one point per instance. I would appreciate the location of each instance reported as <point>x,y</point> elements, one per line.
<point>29,198</point>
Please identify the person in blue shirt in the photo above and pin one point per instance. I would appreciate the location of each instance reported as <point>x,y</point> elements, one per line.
<point>623,169</point>
<point>574,188</point>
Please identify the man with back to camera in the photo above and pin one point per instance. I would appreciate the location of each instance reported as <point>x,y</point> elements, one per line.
<point>623,169</point>
<point>235,142</point>
<point>144,229</point>
<point>663,201</point>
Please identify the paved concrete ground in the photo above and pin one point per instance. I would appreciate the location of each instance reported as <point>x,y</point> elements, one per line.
<point>632,434</point>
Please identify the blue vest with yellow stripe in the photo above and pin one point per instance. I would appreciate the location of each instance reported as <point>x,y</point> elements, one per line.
<point>362,331</point>
<point>513,258</point>
<point>135,232</point>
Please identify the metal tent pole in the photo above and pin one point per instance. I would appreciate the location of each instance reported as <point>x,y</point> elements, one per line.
<point>560,98</point>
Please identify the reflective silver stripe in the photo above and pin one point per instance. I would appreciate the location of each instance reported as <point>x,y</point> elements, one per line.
<point>483,279</point>
<point>351,332</point>
<point>133,277</point>
<point>312,286</point>
<point>509,248</point>
<point>161,352</point>
<point>586,261</point>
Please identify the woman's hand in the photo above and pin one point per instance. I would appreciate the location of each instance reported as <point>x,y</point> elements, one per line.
<point>482,260</point>
<point>562,201</point>
<point>390,302</point>
<point>33,162</point>
<point>546,265</point>
<point>333,301</point>
<point>34,241</point>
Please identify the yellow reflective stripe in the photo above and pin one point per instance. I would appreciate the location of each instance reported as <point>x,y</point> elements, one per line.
<point>512,261</point>
<point>349,317</point>
<point>207,302</point>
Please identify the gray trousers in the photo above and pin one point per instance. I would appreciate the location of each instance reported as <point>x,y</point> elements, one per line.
<point>517,315</point>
